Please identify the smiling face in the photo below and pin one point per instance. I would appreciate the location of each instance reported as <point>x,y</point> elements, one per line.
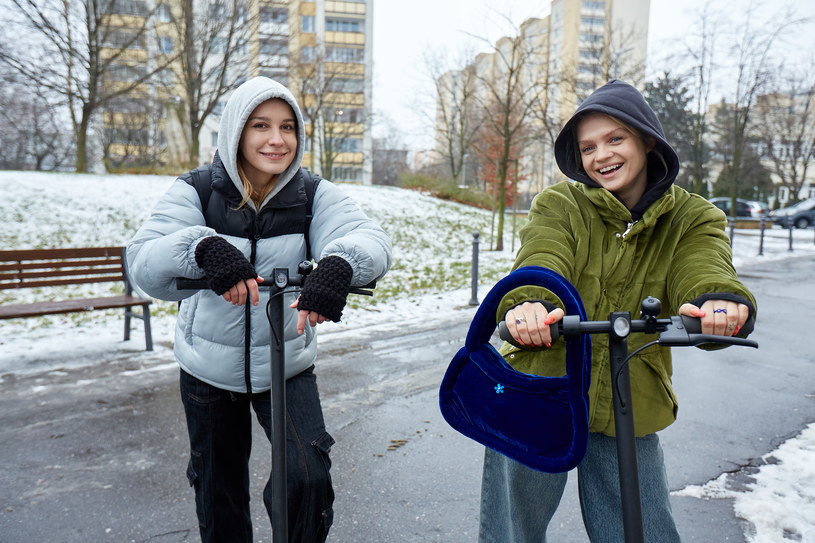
<point>613,156</point>
<point>268,142</point>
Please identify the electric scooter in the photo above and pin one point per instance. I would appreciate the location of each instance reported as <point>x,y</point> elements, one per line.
<point>280,283</point>
<point>675,331</point>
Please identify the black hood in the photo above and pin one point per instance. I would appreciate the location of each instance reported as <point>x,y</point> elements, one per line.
<point>625,103</point>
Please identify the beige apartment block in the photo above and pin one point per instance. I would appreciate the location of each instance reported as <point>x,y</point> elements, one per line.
<point>564,56</point>
<point>321,50</point>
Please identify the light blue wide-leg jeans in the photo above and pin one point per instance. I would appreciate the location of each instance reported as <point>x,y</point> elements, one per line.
<point>517,502</point>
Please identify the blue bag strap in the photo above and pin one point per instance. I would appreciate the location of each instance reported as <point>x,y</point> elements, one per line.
<point>483,324</point>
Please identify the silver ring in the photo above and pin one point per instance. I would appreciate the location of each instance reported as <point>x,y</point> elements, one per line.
<point>519,321</point>
<point>720,310</point>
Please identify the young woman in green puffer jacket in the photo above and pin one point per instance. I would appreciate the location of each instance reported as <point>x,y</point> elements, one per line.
<point>619,232</point>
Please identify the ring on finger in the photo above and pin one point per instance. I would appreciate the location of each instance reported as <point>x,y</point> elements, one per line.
<point>519,321</point>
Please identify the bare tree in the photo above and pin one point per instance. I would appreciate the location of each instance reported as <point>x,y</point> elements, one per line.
<point>86,51</point>
<point>328,88</point>
<point>506,98</point>
<point>131,139</point>
<point>212,44</point>
<point>33,134</point>
<point>456,121</point>
<point>785,127</point>
<point>752,52</point>
<point>701,50</point>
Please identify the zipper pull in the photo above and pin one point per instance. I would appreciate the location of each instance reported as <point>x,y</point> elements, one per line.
<point>627,229</point>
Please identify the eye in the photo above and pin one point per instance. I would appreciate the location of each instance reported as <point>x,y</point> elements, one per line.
<point>616,139</point>
<point>259,125</point>
<point>586,149</point>
<point>287,126</point>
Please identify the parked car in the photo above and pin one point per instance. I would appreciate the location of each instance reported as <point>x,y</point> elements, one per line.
<point>744,208</point>
<point>801,215</point>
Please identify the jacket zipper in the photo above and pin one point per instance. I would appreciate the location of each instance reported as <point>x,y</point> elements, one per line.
<point>247,338</point>
<point>628,228</point>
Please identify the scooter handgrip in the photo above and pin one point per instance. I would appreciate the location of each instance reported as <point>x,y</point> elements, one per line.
<point>503,331</point>
<point>182,283</point>
<point>693,325</point>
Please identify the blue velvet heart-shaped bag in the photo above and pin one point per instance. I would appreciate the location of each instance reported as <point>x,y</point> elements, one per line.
<point>541,422</point>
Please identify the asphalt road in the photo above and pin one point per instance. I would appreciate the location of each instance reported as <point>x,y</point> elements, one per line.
<point>98,454</point>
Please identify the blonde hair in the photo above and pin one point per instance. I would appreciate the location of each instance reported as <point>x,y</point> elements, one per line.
<point>249,191</point>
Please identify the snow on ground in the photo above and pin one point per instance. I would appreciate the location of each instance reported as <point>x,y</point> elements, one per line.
<point>428,285</point>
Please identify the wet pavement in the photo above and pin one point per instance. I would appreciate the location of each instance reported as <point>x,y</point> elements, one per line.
<point>98,453</point>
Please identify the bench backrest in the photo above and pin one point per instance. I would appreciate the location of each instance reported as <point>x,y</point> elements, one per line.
<point>54,267</point>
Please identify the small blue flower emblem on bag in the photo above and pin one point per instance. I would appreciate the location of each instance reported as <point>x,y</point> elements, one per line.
<point>499,388</point>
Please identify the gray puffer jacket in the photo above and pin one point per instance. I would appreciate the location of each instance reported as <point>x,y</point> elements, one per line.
<point>224,345</point>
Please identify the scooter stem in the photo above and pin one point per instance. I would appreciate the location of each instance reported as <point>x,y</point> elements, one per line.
<point>624,427</point>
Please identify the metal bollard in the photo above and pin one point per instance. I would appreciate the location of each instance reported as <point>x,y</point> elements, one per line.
<point>474,299</point>
<point>732,223</point>
<point>790,227</point>
<point>761,238</point>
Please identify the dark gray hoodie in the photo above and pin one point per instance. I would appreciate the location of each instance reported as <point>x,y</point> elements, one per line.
<point>625,103</point>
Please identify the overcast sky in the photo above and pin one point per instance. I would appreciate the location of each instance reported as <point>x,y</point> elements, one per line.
<point>403,31</point>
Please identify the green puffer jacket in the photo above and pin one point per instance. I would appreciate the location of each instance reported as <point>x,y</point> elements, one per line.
<point>677,251</point>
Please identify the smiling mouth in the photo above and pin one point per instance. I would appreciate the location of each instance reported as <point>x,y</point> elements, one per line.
<point>609,169</point>
<point>274,156</point>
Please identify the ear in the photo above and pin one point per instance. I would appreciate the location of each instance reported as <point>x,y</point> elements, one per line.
<point>650,143</point>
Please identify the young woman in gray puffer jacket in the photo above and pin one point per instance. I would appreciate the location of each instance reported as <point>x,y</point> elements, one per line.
<point>252,222</point>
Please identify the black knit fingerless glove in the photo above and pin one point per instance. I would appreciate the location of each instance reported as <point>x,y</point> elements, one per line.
<point>326,288</point>
<point>222,262</point>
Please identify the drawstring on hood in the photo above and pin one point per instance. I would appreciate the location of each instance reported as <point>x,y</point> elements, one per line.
<point>625,103</point>
<point>240,105</point>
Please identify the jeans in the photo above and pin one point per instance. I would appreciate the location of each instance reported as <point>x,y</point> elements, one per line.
<point>220,428</point>
<point>518,502</point>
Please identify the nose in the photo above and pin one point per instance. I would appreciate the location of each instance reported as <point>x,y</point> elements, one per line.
<point>603,153</point>
<point>275,137</point>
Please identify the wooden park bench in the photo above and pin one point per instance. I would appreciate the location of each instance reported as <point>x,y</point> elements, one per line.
<point>33,268</point>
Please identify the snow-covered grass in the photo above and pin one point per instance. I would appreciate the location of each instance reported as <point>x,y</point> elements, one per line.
<point>428,284</point>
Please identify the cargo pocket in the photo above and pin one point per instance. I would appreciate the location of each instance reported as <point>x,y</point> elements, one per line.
<point>325,496</point>
<point>193,470</point>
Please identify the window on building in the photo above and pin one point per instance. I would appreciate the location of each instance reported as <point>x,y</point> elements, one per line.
<point>345,54</point>
<point>165,45</point>
<point>592,21</point>
<point>120,39</point>
<point>274,46</point>
<point>307,23</point>
<point>346,84</point>
<point>588,54</point>
<point>308,54</point>
<point>590,37</point>
<point>344,114</point>
<point>127,7</point>
<point>592,4</point>
<point>124,72</point>
<point>217,11</point>
<point>345,145</point>
<point>342,25</point>
<point>270,14</point>
<point>163,13</point>
<point>346,173</point>
<point>166,77</point>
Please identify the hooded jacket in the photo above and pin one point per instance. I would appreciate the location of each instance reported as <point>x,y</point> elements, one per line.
<point>670,245</point>
<point>224,345</point>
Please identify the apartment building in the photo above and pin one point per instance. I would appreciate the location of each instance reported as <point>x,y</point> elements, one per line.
<point>321,50</point>
<point>560,59</point>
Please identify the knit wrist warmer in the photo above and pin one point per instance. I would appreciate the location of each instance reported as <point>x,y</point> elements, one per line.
<point>326,288</point>
<point>222,262</point>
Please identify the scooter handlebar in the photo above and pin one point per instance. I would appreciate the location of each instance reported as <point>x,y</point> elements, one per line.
<point>183,283</point>
<point>677,331</point>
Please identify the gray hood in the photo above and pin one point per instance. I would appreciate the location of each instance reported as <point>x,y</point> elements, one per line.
<point>240,105</point>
